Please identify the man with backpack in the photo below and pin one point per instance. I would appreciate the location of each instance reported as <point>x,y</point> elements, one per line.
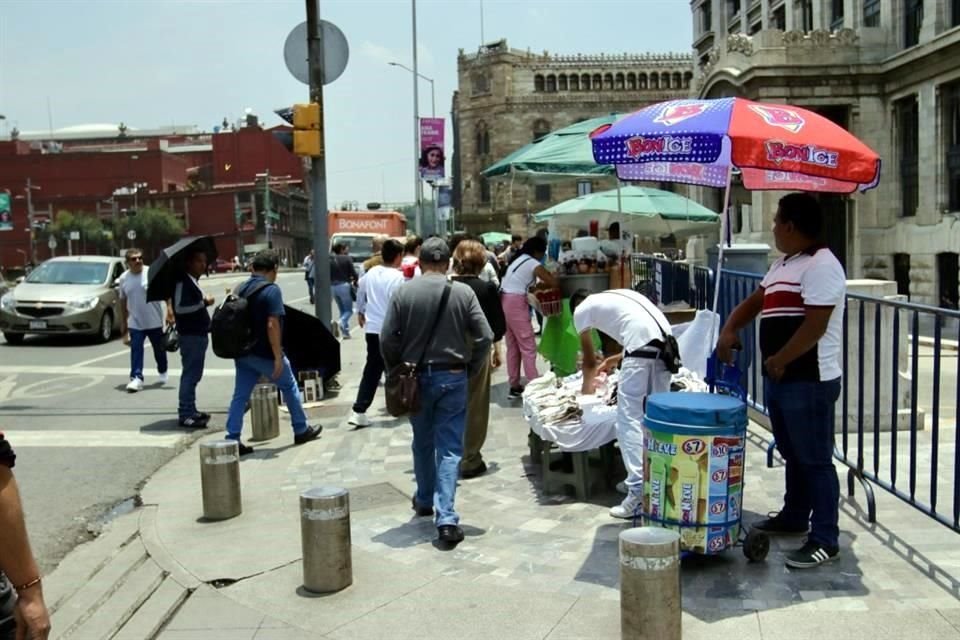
<point>256,312</point>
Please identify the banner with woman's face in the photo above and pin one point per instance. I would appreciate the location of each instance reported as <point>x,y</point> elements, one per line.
<point>432,158</point>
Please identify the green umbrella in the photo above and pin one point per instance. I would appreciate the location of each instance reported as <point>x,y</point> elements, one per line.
<point>560,155</point>
<point>642,210</point>
<point>494,237</point>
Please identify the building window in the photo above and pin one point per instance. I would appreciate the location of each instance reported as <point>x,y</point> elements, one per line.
<point>778,19</point>
<point>482,140</point>
<point>677,80</point>
<point>574,83</point>
<point>642,81</point>
<point>540,128</point>
<point>913,14</point>
<point>481,83</point>
<point>484,190</point>
<point>538,83</point>
<point>733,8</point>
<point>584,187</point>
<point>618,82</point>
<point>951,128</point>
<point>654,81</point>
<point>955,13</point>
<point>585,82</point>
<point>907,117</point>
<point>597,82</point>
<point>551,83</point>
<point>687,79</point>
<point>664,80</point>
<point>608,82</point>
<point>706,17</point>
<point>871,13</point>
<point>755,27</point>
<point>836,14</point>
<point>806,15</point>
<point>562,82</point>
<point>632,81</point>
<point>541,193</point>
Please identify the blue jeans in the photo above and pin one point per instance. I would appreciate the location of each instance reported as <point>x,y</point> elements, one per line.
<point>193,353</point>
<point>310,287</point>
<point>438,441</point>
<point>341,293</point>
<point>137,339</point>
<point>802,417</point>
<point>249,370</point>
<point>370,379</point>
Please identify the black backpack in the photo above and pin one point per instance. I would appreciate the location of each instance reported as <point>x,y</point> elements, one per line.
<point>231,328</point>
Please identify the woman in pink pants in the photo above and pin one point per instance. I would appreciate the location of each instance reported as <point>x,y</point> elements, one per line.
<point>521,274</point>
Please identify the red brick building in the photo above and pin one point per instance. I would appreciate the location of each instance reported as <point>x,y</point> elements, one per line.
<point>209,180</point>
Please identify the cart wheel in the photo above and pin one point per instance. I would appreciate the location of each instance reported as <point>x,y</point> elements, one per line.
<point>756,546</point>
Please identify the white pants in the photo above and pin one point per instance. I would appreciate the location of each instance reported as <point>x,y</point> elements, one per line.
<point>639,377</point>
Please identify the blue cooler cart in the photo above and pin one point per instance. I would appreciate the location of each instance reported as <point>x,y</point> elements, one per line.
<point>693,471</point>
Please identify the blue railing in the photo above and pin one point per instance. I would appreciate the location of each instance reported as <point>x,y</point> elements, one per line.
<point>897,427</point>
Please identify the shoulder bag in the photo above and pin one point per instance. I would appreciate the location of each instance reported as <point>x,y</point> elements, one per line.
<point>402,389</point>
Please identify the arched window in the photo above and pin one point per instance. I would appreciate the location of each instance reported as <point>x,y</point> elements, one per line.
<point>664,80</point>
<point>538,83</point>
<point>618,82</point>
<point>677,80</point>
<point>486,143</point>
<point>597,82</point>
<point>631,81</point>
<point>562,82</point>
<point>585,82</point>
<point>481,83</point>
<point>654,81</point>
<point>608,82</point>
<point>574,82</point>
<point>642,81</point>
<point>484,190</point>
<point>551,83</point>
<point>687,79</point>
<point>540,128</point>
<point>482,139</point>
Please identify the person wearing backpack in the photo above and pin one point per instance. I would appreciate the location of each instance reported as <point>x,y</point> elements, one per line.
<point>263,355</point>
<point>193,325</point>
<point>468,261</point>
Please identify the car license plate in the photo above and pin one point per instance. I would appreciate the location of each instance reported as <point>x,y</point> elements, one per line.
<point>38,324</point>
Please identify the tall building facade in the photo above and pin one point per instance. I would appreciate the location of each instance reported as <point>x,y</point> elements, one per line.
<point>508,98</point>
<point>889,71</point>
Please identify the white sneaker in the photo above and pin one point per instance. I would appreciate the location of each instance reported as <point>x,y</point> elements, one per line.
<point>629,508</point>
<point>136,384</point>
<point>358,419</point>
<point>163,378</point>
<point>622,488</point>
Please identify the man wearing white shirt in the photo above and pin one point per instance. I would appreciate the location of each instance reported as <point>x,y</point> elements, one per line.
<point>140,320</point>
<point>373,298</point>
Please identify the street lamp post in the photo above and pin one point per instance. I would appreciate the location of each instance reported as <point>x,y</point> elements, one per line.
<point>433,97</point>
<point>30,220</point>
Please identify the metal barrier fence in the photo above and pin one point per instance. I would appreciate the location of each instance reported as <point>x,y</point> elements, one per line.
<point>897,413</point>
<point>665,282</point>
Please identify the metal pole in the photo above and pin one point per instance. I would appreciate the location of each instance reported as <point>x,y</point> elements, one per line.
<point>318,171</point>
<point>220,479</point>
<point>418,192</point>
<point>268,221</point>
<point>433,99</point>
<point>33,231</point>
<point>649,584</point>
<point>325,539</point>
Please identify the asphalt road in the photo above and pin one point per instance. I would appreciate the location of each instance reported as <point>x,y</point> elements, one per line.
<point>85,445</point>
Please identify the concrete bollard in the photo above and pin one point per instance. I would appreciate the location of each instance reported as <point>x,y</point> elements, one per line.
<point>649,584</point>
<point>220,479</point>
<point>264,412</point>
<point>325,536</point>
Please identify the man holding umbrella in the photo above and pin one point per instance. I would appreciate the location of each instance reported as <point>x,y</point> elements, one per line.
<point>193,324</point>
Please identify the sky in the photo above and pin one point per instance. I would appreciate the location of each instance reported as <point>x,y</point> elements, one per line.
<point>152,63</point>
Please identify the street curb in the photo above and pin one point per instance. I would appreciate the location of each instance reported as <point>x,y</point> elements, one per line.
<point>147,529</point>
<point>945,345</point>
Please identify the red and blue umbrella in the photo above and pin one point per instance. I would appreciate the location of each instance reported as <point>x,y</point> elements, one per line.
<point>773,146</point>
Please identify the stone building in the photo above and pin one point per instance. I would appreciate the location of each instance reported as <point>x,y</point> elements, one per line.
<point>507,98</point>
<point>889,71</point>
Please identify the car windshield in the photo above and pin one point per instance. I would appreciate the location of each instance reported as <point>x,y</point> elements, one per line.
<point>358,245</point>
<point>69,273</point>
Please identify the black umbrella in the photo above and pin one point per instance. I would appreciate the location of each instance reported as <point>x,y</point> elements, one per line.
<point>309,345</point>
<point>170,265</point>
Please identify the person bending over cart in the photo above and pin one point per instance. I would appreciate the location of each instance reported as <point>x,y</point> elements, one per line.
<point>631,320</point>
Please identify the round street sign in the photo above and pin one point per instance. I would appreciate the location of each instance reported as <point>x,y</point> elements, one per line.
<point>52,242</point>
<point>336,51</point>
<point>132,235</point>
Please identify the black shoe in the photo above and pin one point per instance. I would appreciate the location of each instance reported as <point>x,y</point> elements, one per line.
<point>195,421</point>
<point>776,525</point>
<point>245,450</point>
<point>422,512</point>
<point>473,473</point>
<point>515,393</point>
<point>449,534</point>
<point>811,555</point>
<point>204,416</point>
<point>312,433</point>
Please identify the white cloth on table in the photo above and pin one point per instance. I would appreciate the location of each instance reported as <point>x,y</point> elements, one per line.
<point>594,426</point>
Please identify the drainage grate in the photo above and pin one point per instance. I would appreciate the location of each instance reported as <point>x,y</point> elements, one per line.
<point>372,496</point>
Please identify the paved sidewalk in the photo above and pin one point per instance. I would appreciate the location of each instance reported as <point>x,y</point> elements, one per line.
<point>532,566</point>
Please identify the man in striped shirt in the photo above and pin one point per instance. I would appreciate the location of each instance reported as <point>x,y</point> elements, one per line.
<point>800,304</point>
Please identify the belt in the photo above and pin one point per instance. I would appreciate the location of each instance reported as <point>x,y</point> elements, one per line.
<point>443,366</point>
<point>644,353</point>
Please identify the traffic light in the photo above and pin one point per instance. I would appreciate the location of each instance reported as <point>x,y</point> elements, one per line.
<point>307,130</point>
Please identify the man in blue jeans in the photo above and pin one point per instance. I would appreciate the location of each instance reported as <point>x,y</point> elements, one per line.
<point>800,304</point>
<point>266,359</point>
<point>343,276</point>
<point>193,324</point>
<point>140,320</point>
<point>440,326</point>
